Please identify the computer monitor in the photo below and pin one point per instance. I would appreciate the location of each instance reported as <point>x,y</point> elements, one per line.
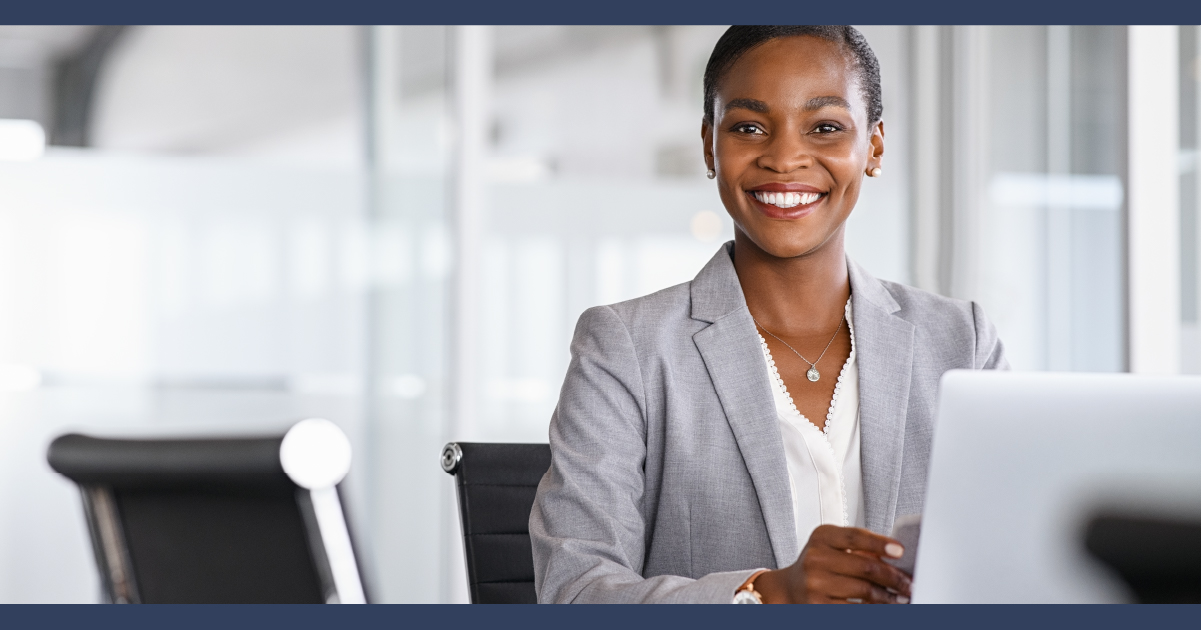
<point>1024,463</point>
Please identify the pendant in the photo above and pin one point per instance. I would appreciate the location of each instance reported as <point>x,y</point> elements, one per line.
<point>813,374</point>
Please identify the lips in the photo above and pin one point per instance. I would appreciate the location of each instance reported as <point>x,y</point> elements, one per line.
<point>797,200</point>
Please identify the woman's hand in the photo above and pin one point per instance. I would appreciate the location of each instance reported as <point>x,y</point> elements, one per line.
<point>837,565</point>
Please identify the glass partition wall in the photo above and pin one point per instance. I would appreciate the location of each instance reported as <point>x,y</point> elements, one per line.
<point>197,268</point>
<point>412,522</point>
<point>1019,165</point>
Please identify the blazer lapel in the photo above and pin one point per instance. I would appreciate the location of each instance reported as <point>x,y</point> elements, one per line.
<point>885,350</point>
<point>730,350</point>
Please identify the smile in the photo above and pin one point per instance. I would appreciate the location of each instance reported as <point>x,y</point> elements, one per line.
<point>786,199</point>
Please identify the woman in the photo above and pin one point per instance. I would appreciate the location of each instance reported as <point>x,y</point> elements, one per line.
<point>752,434</point>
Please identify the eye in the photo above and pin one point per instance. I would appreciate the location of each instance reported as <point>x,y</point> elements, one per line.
<point>750,129</point>
<point>825,128</point>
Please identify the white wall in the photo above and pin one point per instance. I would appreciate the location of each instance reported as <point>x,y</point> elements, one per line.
<point>287,92</point>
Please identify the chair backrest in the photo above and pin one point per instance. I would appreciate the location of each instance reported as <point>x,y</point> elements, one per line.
<point>205,521</point>
<point>496,484</point>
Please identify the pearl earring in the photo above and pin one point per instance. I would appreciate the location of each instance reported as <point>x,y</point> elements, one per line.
<point>875,172</point>
<point>710,173</point>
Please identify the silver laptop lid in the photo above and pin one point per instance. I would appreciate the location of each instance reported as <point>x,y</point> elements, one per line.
<point>1022,461</point>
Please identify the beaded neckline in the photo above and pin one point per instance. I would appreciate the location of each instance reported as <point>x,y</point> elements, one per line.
<point>771,362</point>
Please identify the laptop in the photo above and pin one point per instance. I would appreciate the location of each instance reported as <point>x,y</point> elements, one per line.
<point>1023,464</point>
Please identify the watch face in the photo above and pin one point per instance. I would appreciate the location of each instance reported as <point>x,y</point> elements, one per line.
<point>745,597</point>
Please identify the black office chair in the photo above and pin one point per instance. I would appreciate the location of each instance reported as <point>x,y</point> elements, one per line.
<point>496,484</point>
<point>1159,559</point>
<point>216,520</point>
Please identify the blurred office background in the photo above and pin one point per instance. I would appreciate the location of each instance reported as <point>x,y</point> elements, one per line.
<point>216,229</point>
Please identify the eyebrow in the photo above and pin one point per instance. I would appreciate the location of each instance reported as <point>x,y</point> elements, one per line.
<point>813,104</point>
<point>819,102</point>
<point>748,103</point>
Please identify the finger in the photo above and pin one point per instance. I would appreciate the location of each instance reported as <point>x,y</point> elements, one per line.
<point>873,556</point>
<point>858,539</point>
<point>882,574</point>
<point>860,566</point>
<point>852,590</point>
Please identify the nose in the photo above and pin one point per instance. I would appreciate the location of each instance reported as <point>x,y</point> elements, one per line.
<point>784,153</point>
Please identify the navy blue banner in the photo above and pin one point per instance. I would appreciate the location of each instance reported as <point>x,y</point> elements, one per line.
<point>600,618</point>
<point>606,12</point>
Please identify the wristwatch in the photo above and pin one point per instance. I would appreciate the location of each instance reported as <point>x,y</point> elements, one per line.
<point>746,594</point>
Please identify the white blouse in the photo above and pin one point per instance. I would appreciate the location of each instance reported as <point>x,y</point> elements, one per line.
<point>823,465</point>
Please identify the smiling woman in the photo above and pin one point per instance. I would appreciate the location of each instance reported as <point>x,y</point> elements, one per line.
<point>752,435</point>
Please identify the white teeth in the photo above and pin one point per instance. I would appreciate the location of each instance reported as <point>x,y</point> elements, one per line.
<point>786,199</point>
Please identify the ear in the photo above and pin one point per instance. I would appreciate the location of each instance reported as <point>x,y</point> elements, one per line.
<point>707,141</point>
<point>875,154</point>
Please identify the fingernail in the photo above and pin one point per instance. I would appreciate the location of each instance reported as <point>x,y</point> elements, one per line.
<point>901,599</point>
<point>894,550</point>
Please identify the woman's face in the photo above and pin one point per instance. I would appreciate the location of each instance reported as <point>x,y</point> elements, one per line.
<point>790,143</point>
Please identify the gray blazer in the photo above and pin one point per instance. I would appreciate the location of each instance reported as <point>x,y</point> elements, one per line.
<point>668,481</point>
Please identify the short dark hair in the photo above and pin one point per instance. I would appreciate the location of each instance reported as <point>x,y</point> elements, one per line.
<point>738,40</point>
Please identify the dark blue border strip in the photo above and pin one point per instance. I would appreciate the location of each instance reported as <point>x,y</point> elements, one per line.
<point>600,618</point>
<point>599,12</point>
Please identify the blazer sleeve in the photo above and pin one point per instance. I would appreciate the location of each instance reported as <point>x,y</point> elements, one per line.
<point>990,352</point>
<point>588,527</point>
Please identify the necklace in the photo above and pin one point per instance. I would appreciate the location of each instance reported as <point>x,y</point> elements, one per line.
<point>812,374</point>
